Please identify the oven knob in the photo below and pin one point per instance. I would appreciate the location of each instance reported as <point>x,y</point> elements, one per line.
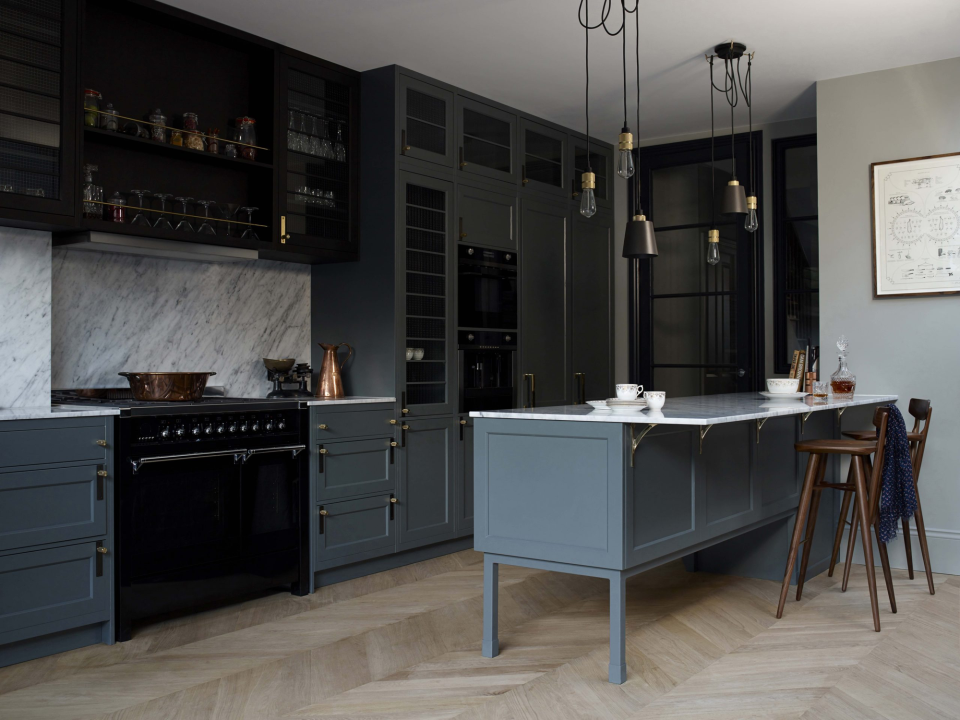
<point>195,430</point>
<point>244,428</point>
<point>179,432</point>
<point>507,338</point>
<point>208,430</point>
<point>255,427</point>
<point>221,429</point>
<point>232,429</point>
<point>281,425</point>
<point>470,337</point>
<point>165,433</point>
<point>268,426</point>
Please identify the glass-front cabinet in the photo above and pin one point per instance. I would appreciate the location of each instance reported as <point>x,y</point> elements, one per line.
<point>487,140</point>
<point>37,109</point>
<point>543,158</point>
<point>318,172</point>
<point>426,122</point>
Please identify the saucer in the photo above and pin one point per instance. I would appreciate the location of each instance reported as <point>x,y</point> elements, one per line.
<point>783,396</point>
<point>598,404</point>
<point>617,402</point>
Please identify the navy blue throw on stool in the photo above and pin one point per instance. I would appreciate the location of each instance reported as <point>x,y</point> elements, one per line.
<point>898,497</point>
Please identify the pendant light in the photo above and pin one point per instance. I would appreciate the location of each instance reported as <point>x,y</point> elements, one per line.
<point>639,240</point>
<point>625,167</point>
<point>751,223</point>
<point>734,200</point>
<point>713,235</point>
<point>588,181</point>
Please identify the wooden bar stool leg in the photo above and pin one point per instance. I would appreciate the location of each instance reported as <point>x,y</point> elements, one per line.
<point>864,511</point>
<point>924,551</point>
<point>811,473</point>
<point>885,563</point>
<point>851,544</point>
<point>844,511</point>
<point>811,525</point>
<point>907,548</point>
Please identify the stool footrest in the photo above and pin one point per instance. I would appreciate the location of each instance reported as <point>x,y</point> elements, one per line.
<point>837,486</point>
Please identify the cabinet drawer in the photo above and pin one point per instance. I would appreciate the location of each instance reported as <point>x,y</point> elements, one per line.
<point>52,585</point>
<point>53,445</point>
<point>355,467</point>
<point>44,506</point>
<point>355,526</point>
<point>335,426</point>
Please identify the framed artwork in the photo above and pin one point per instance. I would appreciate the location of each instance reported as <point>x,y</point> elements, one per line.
<point>916,226</point>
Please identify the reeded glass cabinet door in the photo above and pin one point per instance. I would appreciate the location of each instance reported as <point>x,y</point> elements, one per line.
<point>426,122</point>
<point>38,106</point>
<point>487,140</point>
<point>426,230</point>
<point>543,157</point>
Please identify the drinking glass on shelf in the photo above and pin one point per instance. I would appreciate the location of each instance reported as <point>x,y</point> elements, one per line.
<point>330,202</point>
<point>229,211</point>
<point>339,149</point>
<point>184,224</point>
<point>140,218</point>
<point>326,148</point>
<point>162,222</point>
<point>206,228</point>
<point>314,140</point>
<point>249,233</point>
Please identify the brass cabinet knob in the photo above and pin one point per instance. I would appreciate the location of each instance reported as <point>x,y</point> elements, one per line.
<point>393,443</point>
<point>404,427</point>
<point>322,426</point>
<point>101,473</point>
<point>463,422</point>
<point>102,443</point>
<point>393,422</point>
<point>393,500</point>
<point>323,512</point>
<point>102,550</point>
<point>405,411</point>
<point>323,451</point>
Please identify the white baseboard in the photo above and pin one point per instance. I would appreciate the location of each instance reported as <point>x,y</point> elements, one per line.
<point>944,546</point>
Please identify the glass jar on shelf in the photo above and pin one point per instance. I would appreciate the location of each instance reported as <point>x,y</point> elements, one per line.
<point>213,140</point>
<point>158,130</point>
<point>91,108</point>
<point>176,138</point>
<point>109,119</point>
<point>843,382</point>
<point>247,136</point>
<point>118,208</point>
<point>191,127</point>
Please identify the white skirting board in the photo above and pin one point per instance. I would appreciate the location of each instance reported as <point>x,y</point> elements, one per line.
<point>944,548</point>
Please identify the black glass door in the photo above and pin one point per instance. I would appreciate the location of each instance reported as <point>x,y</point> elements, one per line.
<point>269,497</point>
<point>696,327</point>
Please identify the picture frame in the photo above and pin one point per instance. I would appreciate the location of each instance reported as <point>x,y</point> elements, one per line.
<point>915,226</point>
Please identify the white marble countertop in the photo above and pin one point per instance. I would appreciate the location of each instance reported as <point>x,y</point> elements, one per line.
<point>56,411</point>
<point>697,410</point>
<point>352,400</point>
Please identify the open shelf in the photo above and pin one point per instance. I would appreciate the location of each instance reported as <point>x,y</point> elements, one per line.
<point>153,147</point>
<point>107,226</point>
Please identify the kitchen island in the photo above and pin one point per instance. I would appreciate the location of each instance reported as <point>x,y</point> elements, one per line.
<point>711,479</point>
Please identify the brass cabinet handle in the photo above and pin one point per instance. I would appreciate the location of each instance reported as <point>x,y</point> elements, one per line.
<point>324,512</point>
<point>463,422</point>
<point>462,233</point>
<point>393,500</point>
<point>323,451</point>
<point>404,148</point>
<point>581,380</point>
<point>393,443</point>
<point>523,174</point>
<point>102,443</point>
<point>462,163</point>
<point>322,426</point>
<point>283,230</point>
<point>533,389</point>
<point>404,411</point>
<point>101,549</point>
<point>393,421</point>
<point>101,473</point>
<point>404,427</point>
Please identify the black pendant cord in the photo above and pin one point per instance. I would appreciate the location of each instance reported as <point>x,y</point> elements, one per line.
<point>624,28</point>
<point>728,67</point>
<point>713,168</point>
<point>636,175</point>
<point>746,90</point>
<point>586,44</point>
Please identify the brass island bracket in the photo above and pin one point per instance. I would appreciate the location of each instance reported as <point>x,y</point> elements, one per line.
<point>803,420</point>
<point>840,412</point>
<point>703,433</point>
<point>635,439</point>
<point>760,424</point>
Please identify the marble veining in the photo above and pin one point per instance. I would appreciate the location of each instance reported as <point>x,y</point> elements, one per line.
<point>117,312</point>
<point>352,400</point>
<point>24,318</point>
<point>46,412</point>
<point>697,410</point>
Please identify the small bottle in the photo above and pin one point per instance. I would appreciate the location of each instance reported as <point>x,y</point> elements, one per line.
<point>92,194</point>
<point>158,130</point>
<point>248,135</point>
<point>191,126</point>
<point>109,120</point>
<point>213,140</point>
<point>176,138</point>
<point>91,108</point>
<point>118,209</point>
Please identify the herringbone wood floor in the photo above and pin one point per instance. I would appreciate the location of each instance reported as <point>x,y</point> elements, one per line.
<point>404,644</point>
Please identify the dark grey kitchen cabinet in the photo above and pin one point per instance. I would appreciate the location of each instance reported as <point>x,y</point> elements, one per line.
<point>591,267</point>
<point>425,507</point>
<point>464,500</point>
<point>486,218</point>
<point>544,304</point>
<point>487,139</point>
<point>601,163</point>
<point>355,467</point>
<point>425,122</point>
<point>543,159</point>
<point>354,528</point>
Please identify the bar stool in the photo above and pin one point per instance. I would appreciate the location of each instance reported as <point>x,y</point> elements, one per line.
<point>867,498</point>
<point>921,411</point>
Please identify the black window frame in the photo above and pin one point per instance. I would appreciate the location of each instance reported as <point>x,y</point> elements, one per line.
<point>781,223</point>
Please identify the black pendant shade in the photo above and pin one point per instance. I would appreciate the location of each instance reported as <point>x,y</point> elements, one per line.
<point>639,241</point>
<point>734,200</point>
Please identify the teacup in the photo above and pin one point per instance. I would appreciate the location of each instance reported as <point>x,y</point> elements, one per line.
<point>655,399</point>
<point>418,353</point>
<point>409,353</point>
<point>628,391</point>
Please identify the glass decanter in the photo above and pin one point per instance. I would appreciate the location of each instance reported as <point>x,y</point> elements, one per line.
<point>843,382</point>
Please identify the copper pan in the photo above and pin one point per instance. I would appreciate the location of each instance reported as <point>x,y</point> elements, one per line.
<point>167,386</point>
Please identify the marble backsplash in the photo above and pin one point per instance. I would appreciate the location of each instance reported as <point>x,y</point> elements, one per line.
<point>117,312</point>
<point>24,317</point>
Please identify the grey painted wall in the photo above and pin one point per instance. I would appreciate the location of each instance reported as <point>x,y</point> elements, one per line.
<point>909,346</point>
<point>117,312</point>
<point>24,317</point>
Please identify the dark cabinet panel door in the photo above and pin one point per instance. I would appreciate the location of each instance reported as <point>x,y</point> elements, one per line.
<point>355,526</point>
<point>425,510</point>
<point>487,140</point>
<point>38,109</point>
<point>319,158</point>
<point>356,467</point>
<point>425,227</point>
<point>545,375</point>
<point>601,162</point>
<point>543,158</point>
<point>592,316</point>
<point>426,122</point>
<point>465,476</point>
<point>486,218</point>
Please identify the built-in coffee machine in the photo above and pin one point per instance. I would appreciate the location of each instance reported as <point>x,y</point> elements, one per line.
<point>487,360</point>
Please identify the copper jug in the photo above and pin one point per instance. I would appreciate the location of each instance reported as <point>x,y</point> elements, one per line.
<point>330,385</point>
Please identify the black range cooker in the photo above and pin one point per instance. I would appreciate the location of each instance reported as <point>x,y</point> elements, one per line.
<point>211,502</point>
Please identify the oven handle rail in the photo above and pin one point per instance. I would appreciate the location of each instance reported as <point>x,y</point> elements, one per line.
<point>240,455</point>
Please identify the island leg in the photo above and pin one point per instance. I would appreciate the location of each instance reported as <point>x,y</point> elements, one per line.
<point>491,640</point>
<point>618,629</point>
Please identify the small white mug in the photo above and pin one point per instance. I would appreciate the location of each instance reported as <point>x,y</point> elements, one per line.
<point>655,399</point>
<point>628,391</point>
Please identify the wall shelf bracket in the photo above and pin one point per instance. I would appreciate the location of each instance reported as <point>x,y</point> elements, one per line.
<point>760,424</point>
<point>703,433</point>
<point>635,439</point>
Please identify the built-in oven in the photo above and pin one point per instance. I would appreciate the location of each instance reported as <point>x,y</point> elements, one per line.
<point>487,294</point>
<point>210,507</point>
<point>487,360</point>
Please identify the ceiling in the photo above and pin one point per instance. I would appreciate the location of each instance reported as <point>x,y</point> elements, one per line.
<point>530,53</point>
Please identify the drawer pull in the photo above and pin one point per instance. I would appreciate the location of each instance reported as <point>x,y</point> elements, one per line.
<point>322,426</point>
<point>393,422</point>
<point>323,451</point>
<point>102,443</point>
<point>101,551</point>
<point>393,500</point>
<point>324,512</point>
<point>393,443</point>
<point>101,473</point>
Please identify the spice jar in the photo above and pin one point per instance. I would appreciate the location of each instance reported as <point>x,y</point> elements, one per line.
<point>191,123</point>
<point>247,134</point>
<point>176,138</point>
<point>213,140</point>
<point>91,108</point>
<point>118,210</point>
<point>109,119</point>
<point>158,131</point>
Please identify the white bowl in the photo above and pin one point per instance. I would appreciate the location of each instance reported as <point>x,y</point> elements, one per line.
<point>418,353</point>
<point>409,353</point>
<point>782,385</point>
